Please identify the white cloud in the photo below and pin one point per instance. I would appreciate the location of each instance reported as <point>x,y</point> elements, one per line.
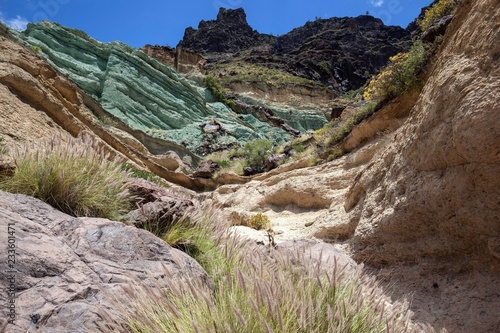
<point>377,3</point>
<point>18,23</point>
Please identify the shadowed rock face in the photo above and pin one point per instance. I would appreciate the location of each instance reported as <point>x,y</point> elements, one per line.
<point>341,52</point>
<point>142,92</point>
<point>67,269</point>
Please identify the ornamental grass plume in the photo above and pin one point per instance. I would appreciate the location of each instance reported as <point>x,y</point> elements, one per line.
<point>73,175</point>
<point>260,289</point>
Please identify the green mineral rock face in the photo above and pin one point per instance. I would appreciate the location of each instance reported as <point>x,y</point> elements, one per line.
<point>144,93</point>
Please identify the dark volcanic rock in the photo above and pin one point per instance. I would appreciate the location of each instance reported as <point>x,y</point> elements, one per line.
<point>158,216</point>
<point>341,52</point>
<point>272,161</point>
<point>229,33</point>
<point>437,29</point>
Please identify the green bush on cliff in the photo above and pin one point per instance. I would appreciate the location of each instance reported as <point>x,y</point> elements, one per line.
<point>401,74</point>
<point>437,11</point>
<point>255,153</point>
<point>334,132</point>
<point>218,91</point>
<point>72,175</point>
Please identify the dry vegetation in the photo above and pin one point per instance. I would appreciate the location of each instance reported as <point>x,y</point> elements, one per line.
<point>73,175</point>
<point>259,290</point>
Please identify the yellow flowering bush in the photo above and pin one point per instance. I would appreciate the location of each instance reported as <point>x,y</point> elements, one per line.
<point>260,221</point>
<point>440,9</point>
<point>401,74</point>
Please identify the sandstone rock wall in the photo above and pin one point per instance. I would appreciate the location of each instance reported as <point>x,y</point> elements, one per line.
<point>434,192</point>
<point>183,61</point>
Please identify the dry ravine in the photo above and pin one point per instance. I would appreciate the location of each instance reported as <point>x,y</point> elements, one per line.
<point>413,203</point>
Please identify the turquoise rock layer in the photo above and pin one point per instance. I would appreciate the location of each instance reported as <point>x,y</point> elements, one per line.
<point>144,93</point>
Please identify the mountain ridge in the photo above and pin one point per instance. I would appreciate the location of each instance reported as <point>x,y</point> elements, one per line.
<point>340,52</point>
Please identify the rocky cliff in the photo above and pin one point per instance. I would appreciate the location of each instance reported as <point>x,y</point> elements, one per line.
<point>340,52</point>
<point>143,93</point>
<point>437,181</point>
<point>37,103</point>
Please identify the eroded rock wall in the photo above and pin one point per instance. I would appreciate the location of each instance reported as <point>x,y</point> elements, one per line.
<point>434,192</point>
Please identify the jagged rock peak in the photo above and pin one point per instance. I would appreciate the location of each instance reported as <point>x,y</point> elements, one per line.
<point>232,15</point>
<point>340,52</point>
<point>230,32</point>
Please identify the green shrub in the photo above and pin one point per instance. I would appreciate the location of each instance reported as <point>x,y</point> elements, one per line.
<point>298,148</point>
<point>107,121</point>
<point>259,221</point>
<point>401,74</point>
<point>255,153</point>
<point>73,176</point>
<point>155,132</point>
<point>35,48</point>
<point>218,91</point>
<point>223,163</point>
<point>437,11</point>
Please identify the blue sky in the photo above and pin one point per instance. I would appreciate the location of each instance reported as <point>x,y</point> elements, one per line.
<point>163,22</point>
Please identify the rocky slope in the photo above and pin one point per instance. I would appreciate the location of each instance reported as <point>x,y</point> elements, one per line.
<point>340,52</point>
<point>67,269</point>
<point>145,94</point>
<point>37,102</point>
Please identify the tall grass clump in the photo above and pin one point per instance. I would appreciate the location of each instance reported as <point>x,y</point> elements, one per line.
<point>260,289</point>
<point>142,174</point>
<point>73,175</point>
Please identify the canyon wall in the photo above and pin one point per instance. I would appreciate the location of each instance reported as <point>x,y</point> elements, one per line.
<point>434,192</point>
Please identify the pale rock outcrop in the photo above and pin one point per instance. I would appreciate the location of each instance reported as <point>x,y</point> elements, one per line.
<point>300,201</point>
<point>69,270</point>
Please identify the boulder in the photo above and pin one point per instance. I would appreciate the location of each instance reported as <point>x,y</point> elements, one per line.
<point>437,29</point>
<point>158,216</point>
<point>206,169</point>
<point>67,269</point>
<point>250,171</point>
<point>274,160</point>
<point>145,191</point>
